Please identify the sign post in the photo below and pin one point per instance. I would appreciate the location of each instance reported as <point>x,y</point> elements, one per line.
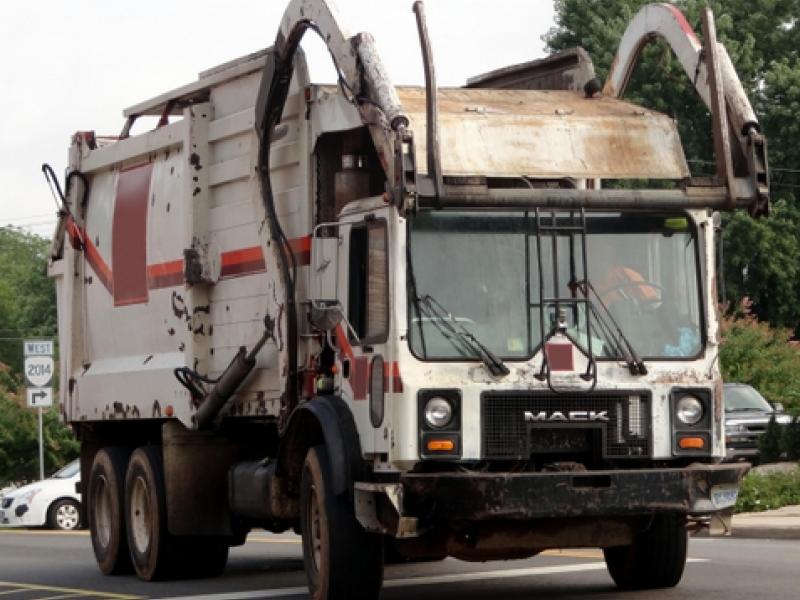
<point>39,371</point>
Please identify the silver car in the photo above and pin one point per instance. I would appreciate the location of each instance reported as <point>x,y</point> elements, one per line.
<point>747,414</point>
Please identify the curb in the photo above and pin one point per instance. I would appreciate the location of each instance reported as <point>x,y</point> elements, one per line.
<point>765,533</point>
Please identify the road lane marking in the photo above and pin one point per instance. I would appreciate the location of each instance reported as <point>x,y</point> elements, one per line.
<point>413,581</point>
<point>66,592</point>
<point>29,532</point>
<point>572,554</point>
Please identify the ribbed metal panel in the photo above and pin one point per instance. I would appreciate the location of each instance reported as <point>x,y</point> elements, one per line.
<point>505,431</point>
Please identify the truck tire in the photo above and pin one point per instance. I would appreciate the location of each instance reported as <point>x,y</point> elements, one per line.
<point>341,559</point>
<point>65,515</point>
<point>655,559</point>
<point>152,548</point>
<point>106,511</point>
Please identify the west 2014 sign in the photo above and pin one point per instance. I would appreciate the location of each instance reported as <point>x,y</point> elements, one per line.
<point>39,372</point>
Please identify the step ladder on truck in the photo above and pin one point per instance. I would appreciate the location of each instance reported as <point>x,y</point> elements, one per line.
<point>402,319</point>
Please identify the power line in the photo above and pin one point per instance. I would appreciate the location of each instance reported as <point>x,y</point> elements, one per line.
<point>50,214</point>
<point>708,162</point>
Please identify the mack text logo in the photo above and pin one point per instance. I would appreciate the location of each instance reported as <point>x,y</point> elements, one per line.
<point>572,416</point>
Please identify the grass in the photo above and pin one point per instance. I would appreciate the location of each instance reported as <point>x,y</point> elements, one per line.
<point>762,491</point>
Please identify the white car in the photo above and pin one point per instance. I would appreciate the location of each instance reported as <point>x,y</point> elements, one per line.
<point>51,502</point>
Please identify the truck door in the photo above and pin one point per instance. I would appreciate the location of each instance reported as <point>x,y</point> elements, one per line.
<point>365,350</point>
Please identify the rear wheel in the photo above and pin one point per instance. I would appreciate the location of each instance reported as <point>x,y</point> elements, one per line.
<point>64,515</point>
<point>152,548</point>
<point>656,558</point>
<point>341,559</point>
<point>106,511</point>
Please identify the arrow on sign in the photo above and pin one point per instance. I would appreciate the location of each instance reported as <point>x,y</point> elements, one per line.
<point>39,397</point>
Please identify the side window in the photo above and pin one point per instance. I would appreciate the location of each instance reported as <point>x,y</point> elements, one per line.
<point>368,294</point>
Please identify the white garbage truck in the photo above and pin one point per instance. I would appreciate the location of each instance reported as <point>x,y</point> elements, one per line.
<point>423,320</point>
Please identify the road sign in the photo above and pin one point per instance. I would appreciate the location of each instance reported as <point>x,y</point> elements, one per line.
<point>37,347</point>
<point>39,397</point>
<point>39,370</point>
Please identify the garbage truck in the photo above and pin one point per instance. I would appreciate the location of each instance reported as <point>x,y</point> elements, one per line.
<point>426,321</point>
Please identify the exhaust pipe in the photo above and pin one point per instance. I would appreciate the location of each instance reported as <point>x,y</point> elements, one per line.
<point>431,105</point>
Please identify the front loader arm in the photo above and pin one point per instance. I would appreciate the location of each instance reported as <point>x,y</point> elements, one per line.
<point>364,81</point>
<point>361,72</point>
<point>742,166</point>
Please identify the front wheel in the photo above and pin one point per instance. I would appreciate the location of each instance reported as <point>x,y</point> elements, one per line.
<point>65,515</point>
<point>655,559</point>
<point>341,559</point>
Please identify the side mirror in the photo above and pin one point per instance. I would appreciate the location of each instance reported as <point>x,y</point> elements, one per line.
<point>326,310</point>
<point>778,407</point>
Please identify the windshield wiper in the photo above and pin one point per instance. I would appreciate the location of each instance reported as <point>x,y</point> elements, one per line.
<point>440,315</point>
<point>621,342</point>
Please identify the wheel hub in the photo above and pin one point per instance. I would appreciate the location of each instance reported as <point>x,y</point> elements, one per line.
<point>102,511</point>
<point>140,517</point>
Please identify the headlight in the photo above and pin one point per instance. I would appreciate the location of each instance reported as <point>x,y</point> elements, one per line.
<point>28,497</point>
<point>689,410</point>
<point>438,412</point>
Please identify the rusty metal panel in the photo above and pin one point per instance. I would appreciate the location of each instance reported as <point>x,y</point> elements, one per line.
<point>547,134</point>
<point>484,496</point>
<point>567,70</point>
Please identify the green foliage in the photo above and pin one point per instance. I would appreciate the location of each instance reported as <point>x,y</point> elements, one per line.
<point>752,352</point>
<point>27,295</point>
<point>27,310</point>
<point>770,444</point>
<point>763,40</point>
<point>768,491</point>
<point>791,440</point>
<point>19,435</point>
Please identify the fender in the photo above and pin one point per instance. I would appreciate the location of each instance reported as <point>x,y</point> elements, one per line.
<point>339,433</point>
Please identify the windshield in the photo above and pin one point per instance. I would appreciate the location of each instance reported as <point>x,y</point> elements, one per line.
<point>485,270</point>
<point>744,398</point>
<point>68,471</point>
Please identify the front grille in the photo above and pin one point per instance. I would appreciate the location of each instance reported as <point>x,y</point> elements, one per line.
<point>506,434</point>
<point>758,428</point>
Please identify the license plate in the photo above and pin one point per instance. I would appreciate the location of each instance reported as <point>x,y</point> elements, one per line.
<point>546,440</point>
<point>724,496</point>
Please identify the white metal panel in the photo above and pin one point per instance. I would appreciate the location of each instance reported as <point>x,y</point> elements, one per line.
<point>167,218</point>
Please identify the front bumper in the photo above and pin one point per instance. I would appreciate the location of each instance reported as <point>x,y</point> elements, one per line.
<point>737,451</point>
<point>696,490</point>
<point>17,515</point>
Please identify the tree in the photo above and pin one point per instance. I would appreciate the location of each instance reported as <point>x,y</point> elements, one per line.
<point>763,40</point>
<point>27,295</point>
<point>752,352</point>
<point>19,435</point>
<point>792,440</point>
<point>770,444</point>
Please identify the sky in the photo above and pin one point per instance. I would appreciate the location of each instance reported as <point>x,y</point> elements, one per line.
<point>75,65</point>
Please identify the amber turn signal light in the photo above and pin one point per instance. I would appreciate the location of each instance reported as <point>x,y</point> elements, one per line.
<point>692,443</point>
<point>440,445</point>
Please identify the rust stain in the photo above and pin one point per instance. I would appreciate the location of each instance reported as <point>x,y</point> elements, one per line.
<point>179,306</point>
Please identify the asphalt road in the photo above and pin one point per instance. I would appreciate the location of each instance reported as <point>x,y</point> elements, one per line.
<point>38,565</point>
